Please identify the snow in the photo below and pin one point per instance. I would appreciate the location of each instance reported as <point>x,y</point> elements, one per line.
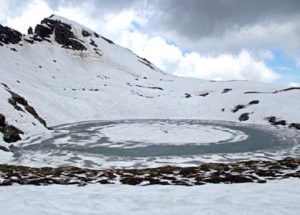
<point>81,86</point>
<point>165,133</point>
<point>274,198</point>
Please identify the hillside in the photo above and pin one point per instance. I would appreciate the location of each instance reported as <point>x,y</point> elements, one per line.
<point>63,72</point>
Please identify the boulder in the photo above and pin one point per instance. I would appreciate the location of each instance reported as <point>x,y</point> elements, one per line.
<point>11,134</point>
<point>244,117</point>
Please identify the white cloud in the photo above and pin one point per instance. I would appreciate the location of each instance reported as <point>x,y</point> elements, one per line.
<point>220,67</point>
<point>293,84</point>
<point>30,17</point>
<point>225,67</point>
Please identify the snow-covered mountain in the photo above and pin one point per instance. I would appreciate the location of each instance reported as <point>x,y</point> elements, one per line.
<point>62,72</point>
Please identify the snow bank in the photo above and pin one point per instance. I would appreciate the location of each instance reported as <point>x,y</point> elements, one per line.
<point>273,198</point>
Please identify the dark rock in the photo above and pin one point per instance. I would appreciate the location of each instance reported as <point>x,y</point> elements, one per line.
<point>107,40</point>
<point>36,38</point>
<point>254,102</point>
<point>244,117</point>
<point>13,49</point>
<point>62,34</point>
<point>274,121</point>
<point>237,108</point>
<point>295,125</point>
<point>204,94</point>
<point>17,100</point>
<point>93,43</point>
<point>96,35</point>
<point>2,148</point>
<point>226,90</point>
<point>85,33</point>
<point>9,35</point>
<point>43,31</point>
<point>65,37</point>
<point>131,180</point>
<point>30,30</point>
<point>187,95</point>
<point>2,120</point>
<point>11,134</point>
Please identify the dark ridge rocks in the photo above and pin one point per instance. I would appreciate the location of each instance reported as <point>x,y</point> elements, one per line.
<point>287,89</point>
<point>295,125</point>
<point>226,90</point>
<point>274,121</point>
<point>274,92</point>
<point>237,108</point>
<point>85,33</point>
<point>10,132</point>
<point>65,37</point>
<point>146,62</point>
<point>17,100</point>
<point>62,34</point>
<point>43,31</point>
<point>96,35</point>
<point>244,117</point>
<point>227,173</point>
<point>9,35</point>
<point>107,40</point>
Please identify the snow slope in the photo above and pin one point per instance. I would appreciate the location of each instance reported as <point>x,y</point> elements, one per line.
<point>107,81</point>
<point>273,198</point>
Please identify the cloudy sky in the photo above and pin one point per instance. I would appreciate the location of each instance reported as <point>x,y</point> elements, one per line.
<point>211,39</point>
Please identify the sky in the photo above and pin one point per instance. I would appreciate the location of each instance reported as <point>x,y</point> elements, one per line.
<point>208,39</point>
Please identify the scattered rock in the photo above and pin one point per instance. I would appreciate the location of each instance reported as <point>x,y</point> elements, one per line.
<point>254,102</point>
<point>204,94</point>
<point>244,117</point>
<point>187,95</point>
<point>226,90</point>
<point>237,108</point>
<point>274,121</point>
<point>295,125</point>
<point>85,33</point>
<point>228,173</point>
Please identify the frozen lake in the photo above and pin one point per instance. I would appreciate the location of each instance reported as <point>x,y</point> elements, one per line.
<point>143,143</point>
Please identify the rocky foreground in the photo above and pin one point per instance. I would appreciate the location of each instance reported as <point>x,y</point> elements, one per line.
<point>228,173</point>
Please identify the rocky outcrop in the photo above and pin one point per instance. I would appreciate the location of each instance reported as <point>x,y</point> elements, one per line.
<point>18,101</point>
<point>244,117</point>
<point>10,133</point>
<point>62,34</point>
<point>228,173</point>
<point>9,36</point>
<point>274,121</point>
